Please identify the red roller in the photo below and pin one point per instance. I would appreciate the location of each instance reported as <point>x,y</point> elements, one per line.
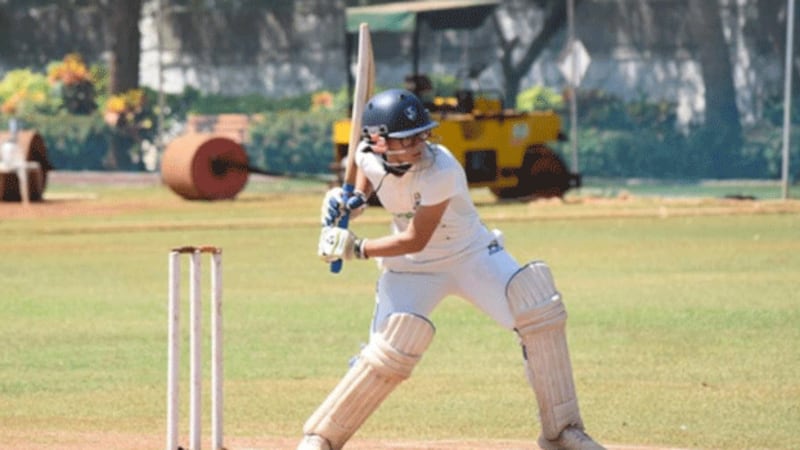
<point>204,167</point>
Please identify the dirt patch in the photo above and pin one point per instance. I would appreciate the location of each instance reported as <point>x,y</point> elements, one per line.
<point>79,203</point>
<point>122,441</point>
<point>89,178</point>
<point>85,203</point>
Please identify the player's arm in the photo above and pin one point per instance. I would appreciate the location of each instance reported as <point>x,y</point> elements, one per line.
<point>363,184</point>
<point>413,239</point>
<point>338,243</point>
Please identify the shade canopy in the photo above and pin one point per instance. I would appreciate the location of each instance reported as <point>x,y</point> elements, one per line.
<point>438,14</point>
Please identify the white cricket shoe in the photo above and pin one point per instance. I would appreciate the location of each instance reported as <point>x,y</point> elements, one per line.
<point>571,438</point>
<point>313,442</point>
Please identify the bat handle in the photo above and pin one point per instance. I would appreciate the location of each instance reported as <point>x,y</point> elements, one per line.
<point>347,191</point>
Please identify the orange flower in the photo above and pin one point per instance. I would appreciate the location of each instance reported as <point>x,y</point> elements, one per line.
<point>125,105</point>
<point>321,100</point>
<point>115,104</point>
<point>70,71</point>
<point>9,107</point>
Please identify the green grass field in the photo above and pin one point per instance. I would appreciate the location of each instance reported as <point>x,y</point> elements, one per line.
<point>683,320</point>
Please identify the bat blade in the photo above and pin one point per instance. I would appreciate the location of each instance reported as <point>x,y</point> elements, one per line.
<point>365,84</point>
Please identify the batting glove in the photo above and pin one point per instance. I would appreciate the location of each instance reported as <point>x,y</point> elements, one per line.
<point>334,206</point>
<point>338,243</point>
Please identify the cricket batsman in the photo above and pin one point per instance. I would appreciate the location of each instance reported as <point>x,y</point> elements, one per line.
<point>437,247</point>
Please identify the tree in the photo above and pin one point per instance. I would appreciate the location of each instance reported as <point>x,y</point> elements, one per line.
<point>768,33</point>
<point>123,43</point>
<point>722,126</point>
<point>515,59</point>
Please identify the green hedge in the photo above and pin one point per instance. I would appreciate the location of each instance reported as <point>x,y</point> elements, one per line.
<point>73,142</point>
<point>292,141</point>
<point>84,143</point>
<point>616,139</point>
<point>642,138</point>
<point>642,153</point>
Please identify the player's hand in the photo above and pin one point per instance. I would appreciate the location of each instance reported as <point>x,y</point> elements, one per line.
<point>339,243</point>
<point>334,206</point>
<point>336,243</point>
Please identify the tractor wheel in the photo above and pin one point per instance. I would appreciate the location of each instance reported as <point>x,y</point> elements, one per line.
<point>543,175</point>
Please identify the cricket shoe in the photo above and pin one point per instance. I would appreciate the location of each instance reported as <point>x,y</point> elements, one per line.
<point>571,438</point>
<point>314,442</point>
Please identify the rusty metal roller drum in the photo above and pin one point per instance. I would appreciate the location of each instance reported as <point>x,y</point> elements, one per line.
<point>204,167</point>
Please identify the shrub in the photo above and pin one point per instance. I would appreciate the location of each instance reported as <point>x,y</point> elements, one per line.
<point>74,81</point>
<point>615,153</point>
<point>540,98</point>
<point>73,142</point>
<point>445,85</point>
<point>24,92</point>
<point>247,104</point>
<point>292,141</point>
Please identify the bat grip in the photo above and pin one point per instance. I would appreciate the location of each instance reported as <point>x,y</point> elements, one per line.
<point>347,191</point>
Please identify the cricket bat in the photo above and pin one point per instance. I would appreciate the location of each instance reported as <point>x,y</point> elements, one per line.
<point>365,83</point>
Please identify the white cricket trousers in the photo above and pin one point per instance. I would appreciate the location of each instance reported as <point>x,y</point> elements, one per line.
<point>480,278</point>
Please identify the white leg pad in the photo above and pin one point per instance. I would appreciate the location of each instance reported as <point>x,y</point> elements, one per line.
<point>540,320</point>
<point>385,362</point>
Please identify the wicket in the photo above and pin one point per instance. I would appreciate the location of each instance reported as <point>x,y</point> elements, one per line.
<point>195,350</point>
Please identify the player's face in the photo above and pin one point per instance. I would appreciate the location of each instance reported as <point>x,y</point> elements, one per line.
<point>409,149</point>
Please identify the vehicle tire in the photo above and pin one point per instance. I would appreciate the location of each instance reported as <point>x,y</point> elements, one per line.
<point>542,175</point>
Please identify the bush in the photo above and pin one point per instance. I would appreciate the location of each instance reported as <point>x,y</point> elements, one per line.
<point>540,98</point>
<point>25,92</point>
<point>73,80</point>
<point>763,149</point>
<point>445,85</point>
<point>293,135</point>
<point>641,138</point>
<point>248,104</point>
<point>293,141</point>
<point>616,153</point>
<point>74,142</point>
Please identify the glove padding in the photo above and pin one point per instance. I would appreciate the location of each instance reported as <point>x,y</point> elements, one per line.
<point>334,206</point>
<point>339,243</point>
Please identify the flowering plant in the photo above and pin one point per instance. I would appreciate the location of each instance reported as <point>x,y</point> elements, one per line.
<point>23,92</point>
<point>322,101</point>
<point>128,103</point>
<point>12,104</point>
<point>128,111</point>
<point>70,71</point>
<point>75,82</point>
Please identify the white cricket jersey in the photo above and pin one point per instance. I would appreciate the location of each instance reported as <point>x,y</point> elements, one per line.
<point>436,178</point>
